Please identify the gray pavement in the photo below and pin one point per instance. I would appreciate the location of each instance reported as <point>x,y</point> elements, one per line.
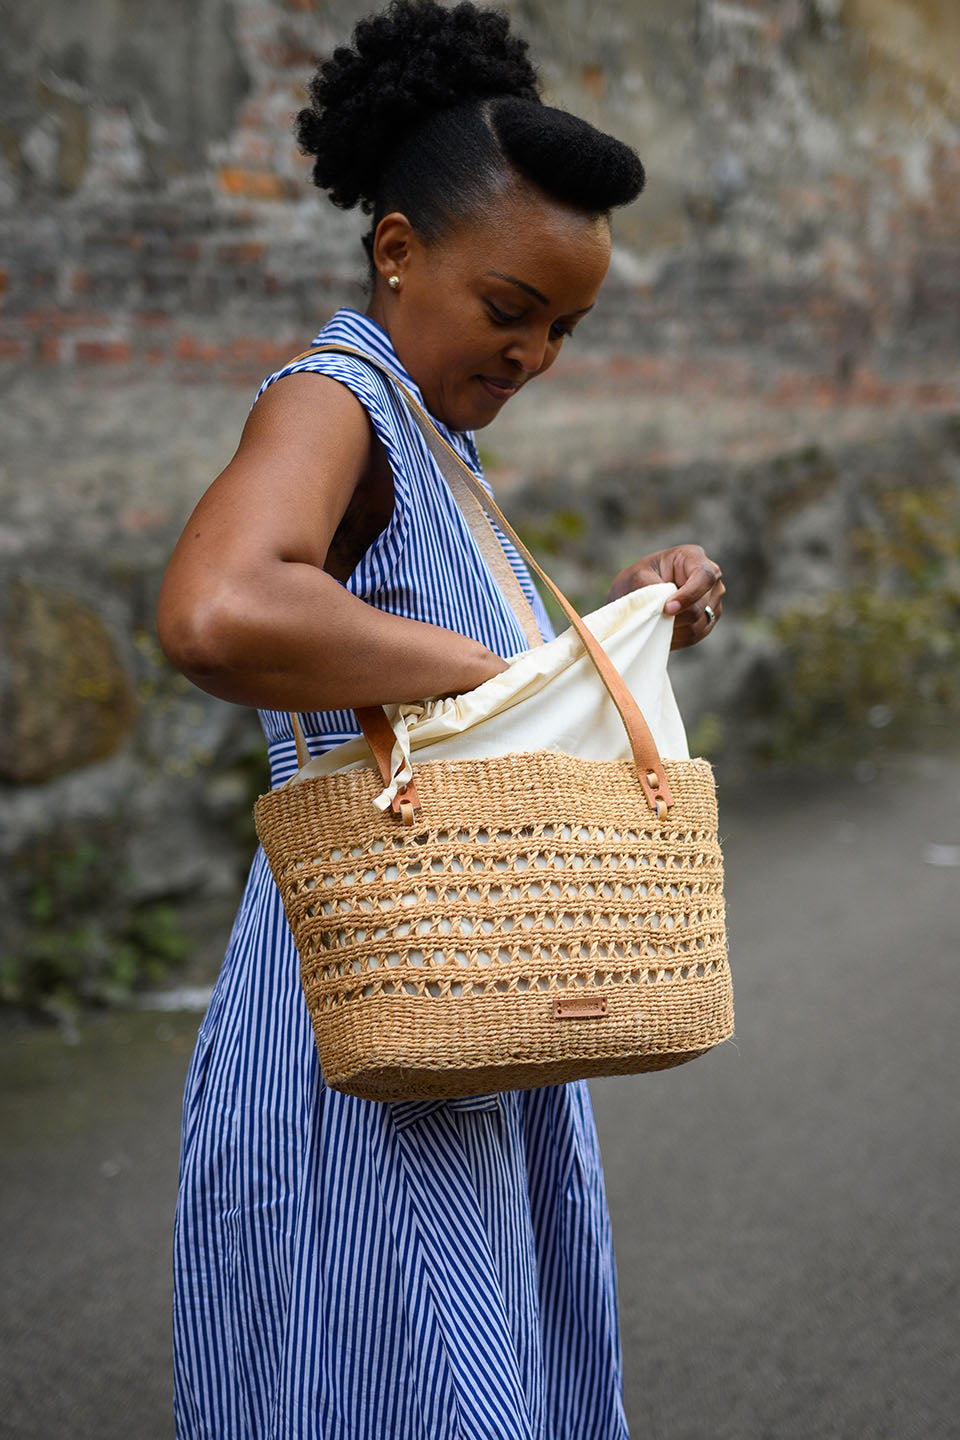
<point>784,1209</point>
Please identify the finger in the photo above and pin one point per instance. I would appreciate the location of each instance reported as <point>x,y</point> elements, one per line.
<point>712,606</point>
<point>695,589</point>
<point>712,600</point>
<point>698,621</point>
<point>686,635</point>
<point>633,578</point>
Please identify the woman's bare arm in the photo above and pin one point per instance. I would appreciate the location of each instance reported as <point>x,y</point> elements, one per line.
<point>246,610</point>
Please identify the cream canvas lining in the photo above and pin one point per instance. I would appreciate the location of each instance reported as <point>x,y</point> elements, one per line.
<point>547,699</point>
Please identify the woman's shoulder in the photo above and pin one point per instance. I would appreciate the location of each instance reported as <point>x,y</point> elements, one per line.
<point>325,357</point>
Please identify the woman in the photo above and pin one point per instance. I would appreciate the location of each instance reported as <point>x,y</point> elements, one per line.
<point>347,1270</point>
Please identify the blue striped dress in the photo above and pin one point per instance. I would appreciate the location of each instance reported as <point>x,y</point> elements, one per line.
<point>349,1270</point>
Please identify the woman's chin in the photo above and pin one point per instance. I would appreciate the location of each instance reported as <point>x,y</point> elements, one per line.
<point>481,422</point>
<point>473,408</point>
<point>472,418</point>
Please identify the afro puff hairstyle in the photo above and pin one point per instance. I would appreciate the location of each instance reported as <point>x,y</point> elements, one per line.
<point>432,108</point>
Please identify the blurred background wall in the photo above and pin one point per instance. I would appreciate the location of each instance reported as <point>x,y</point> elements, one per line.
<point>772,371</point>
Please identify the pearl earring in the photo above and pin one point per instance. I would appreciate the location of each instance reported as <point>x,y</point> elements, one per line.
<point>394,282</point>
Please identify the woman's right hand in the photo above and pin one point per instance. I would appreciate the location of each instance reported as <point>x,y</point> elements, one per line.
<point>247,611</point>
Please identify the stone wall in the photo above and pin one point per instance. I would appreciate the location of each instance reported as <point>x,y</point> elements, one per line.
<point>799,234</point>
<point>774,353</point>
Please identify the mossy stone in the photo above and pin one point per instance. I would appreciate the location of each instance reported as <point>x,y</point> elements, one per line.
<point>65,697</point>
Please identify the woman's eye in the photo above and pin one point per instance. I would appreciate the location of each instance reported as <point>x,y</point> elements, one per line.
<point>501,317</point>
<point>505,317</point>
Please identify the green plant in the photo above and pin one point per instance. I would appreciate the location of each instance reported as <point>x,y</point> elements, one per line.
<point>882,658</point>
<point>82,940</point>
<point>553,532</point>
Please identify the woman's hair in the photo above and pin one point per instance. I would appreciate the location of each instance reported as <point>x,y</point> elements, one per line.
<point>432,108</point>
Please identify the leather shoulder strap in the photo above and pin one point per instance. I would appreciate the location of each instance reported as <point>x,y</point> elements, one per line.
<point>649,766</point>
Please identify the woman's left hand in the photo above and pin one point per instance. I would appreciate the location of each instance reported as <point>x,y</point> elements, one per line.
<point>700,589</point>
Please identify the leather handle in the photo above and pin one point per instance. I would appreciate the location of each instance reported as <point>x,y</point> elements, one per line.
<point>651,772</point>
<point>378,734</point>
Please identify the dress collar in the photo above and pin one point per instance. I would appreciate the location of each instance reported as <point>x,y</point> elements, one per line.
<point>353,328</point>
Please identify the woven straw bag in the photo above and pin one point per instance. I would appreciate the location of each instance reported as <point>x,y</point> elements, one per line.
<point>509,922</point>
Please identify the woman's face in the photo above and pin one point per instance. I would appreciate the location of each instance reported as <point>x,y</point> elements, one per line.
<point>486,308</point>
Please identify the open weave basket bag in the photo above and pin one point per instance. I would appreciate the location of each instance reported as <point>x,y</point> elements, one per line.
<point>509,922</point>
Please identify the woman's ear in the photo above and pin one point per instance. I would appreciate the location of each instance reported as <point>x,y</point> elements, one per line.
<point>393,243</point>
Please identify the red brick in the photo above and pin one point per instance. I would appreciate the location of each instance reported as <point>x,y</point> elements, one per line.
<point>594,80</point>
<point>48,349</point>
<point>247,252</point>
<point>266,354</point>
<point>800,389</point>
<point>63,319</point>
<point>104,352</point>
<point>935,397</point>
<point>255,184</point>
<point>868,389</point>
<point>189,348</point>
<point>12,349</point>
<point>152,319</point>
<point>3,282</point>
<point>72,319</point>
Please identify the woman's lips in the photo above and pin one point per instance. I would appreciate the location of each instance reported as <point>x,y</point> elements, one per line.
<point>500,389</point>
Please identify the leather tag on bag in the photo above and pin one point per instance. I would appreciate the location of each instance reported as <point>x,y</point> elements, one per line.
<point>579,1007</point>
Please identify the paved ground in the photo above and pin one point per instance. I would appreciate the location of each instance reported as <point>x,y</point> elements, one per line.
<point>784,1210</point>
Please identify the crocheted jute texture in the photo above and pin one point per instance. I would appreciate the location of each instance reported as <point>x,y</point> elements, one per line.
<point>433,956</point>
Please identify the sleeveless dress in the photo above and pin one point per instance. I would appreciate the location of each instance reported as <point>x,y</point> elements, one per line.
<point>351,1270</point>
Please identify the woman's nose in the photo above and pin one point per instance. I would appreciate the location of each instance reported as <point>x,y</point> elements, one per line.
<point>532,352</point>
